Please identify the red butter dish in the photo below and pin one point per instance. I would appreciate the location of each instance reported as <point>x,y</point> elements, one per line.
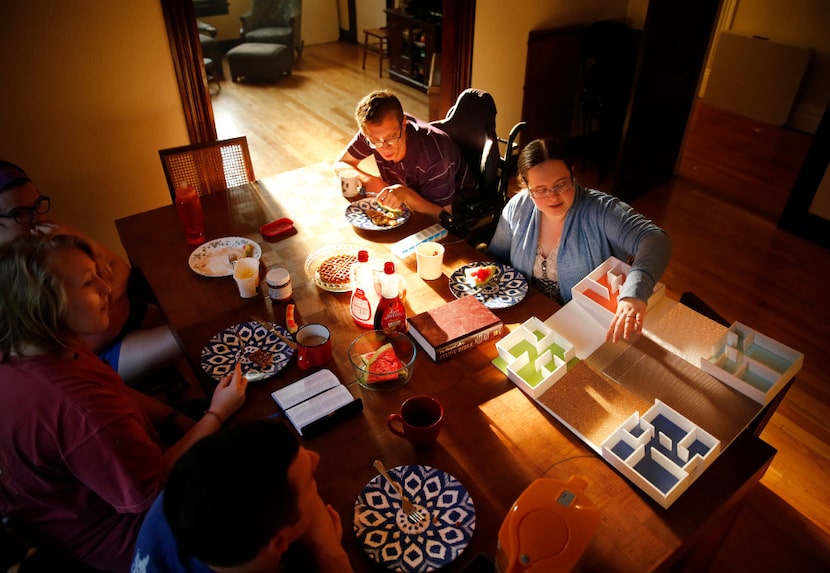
<point>276,228</point>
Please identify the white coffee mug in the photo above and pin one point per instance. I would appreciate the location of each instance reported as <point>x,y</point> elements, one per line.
<point>350,183</point>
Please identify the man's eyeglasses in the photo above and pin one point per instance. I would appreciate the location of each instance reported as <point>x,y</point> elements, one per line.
<point>26,215</point>
<point>377,144</point>
<point>557,189</point>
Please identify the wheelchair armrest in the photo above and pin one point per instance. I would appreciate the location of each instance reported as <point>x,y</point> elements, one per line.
<point>454,224</point>
<point>471,215</point>
<point>475,208</point>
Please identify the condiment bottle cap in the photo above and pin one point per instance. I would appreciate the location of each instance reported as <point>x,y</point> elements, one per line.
<point>277,276</point>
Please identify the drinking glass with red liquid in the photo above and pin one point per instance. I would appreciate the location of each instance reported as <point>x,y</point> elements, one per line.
<point>189,207</point>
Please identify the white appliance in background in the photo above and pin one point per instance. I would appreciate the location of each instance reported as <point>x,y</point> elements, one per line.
<point>755,77</point>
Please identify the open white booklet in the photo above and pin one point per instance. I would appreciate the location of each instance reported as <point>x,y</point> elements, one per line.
<point>316,402</point>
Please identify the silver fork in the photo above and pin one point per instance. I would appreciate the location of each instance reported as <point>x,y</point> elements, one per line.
<point>267,326</point>
<point>412,512</point>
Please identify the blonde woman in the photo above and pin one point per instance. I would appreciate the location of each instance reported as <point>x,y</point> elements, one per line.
<point>80,459</point>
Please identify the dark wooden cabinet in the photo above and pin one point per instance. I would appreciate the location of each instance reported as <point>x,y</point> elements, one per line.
<point>412,43</point>
<point>577,86</point>
<point>623,97</point>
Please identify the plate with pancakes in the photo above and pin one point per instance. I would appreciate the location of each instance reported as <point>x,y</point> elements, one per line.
<point>371,215</point>
<point>330,267</point>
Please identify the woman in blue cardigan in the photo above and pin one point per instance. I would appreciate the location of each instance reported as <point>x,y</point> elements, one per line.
<point>556,232</point>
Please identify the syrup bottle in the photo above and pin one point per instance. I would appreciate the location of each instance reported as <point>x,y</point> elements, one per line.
<point>364,301</point>
<point>391,313</point>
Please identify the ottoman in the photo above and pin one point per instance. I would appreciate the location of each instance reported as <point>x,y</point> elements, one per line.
<point>256,61</point>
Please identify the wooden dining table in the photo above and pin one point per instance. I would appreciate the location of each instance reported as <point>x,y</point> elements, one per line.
<point>494,439</point>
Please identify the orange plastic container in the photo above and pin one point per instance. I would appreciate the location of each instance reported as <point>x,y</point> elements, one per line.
<point>548,528</point>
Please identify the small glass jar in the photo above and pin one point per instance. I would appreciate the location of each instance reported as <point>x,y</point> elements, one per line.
<point>279,284</point>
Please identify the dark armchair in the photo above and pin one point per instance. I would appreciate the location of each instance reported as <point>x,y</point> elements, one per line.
<point>274,22</point>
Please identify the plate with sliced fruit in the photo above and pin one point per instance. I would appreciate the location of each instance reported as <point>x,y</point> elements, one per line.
<point>494,284</point>
<point>371,215</point>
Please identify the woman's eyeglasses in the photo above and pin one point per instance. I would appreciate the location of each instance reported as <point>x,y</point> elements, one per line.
<point>557,189</point>
<point>26,215</point>
<point>377,144</point>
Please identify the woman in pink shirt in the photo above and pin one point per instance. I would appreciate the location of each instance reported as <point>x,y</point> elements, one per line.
<point>80,459</point>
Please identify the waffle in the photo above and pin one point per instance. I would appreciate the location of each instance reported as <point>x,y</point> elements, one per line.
<point>336,271</point>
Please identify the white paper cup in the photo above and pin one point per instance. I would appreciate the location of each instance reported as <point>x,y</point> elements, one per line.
<point>349,183</point>
<point>430,257</point>
<point>246,275</point>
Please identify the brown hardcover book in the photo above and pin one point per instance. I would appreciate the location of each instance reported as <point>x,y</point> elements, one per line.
<point>454,327</point>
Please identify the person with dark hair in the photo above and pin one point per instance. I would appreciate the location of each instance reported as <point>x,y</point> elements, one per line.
<point>80,458</point>
<point>419,164</point>
<point>556,232</point>
<point>239,502</point>
<point>136,342</point>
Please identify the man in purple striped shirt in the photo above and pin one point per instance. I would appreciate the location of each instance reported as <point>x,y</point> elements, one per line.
<point>419,164</point>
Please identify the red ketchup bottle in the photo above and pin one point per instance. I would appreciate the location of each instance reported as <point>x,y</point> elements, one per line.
<point>391,313</point>
<point>189,207</point>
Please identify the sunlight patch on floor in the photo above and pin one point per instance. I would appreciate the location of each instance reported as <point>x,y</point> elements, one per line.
<point>226,125</point>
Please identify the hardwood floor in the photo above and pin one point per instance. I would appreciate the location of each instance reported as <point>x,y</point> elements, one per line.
<point>756,163</point>
<point>720,214</point>
<point>306,117</point>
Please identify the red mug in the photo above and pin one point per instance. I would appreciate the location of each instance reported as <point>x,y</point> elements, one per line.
<point>420,419</point>
<point>313,346</point>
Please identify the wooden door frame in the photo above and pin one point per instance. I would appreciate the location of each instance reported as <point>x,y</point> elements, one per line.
<point>180,20</point>
<point>666,84</point>
<point>797,217</point>
<point>186,50</point>
<point>457,34</point>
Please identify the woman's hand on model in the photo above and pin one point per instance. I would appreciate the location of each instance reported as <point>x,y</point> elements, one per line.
<point>628,320</point>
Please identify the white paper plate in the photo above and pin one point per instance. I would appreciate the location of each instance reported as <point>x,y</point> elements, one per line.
<point>211,259</point>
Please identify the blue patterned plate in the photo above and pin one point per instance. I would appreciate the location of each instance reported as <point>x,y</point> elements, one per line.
<point>507,288</point>
<point>357,214</point>
<point>260,352</point>
<point>392,541</point>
